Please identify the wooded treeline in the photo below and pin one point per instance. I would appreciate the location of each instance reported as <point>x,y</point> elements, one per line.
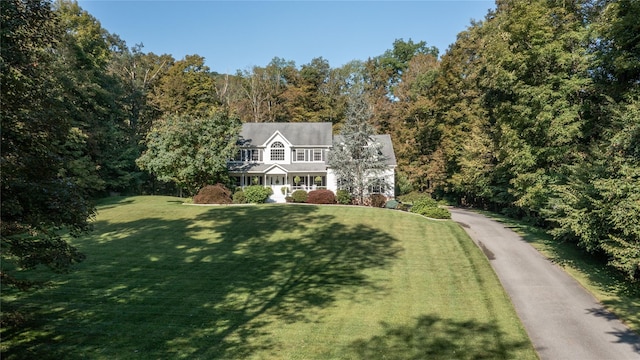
<point>533,111</point>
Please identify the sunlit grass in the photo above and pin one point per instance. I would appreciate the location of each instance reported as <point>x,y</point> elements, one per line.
<point>166,280</point>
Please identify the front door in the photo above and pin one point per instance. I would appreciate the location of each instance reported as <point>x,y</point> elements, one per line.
<point>275,180</point>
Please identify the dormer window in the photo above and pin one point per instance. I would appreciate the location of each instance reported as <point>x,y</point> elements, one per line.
<point>277,151</point>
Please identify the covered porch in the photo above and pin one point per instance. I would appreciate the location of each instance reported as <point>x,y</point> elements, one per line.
<point>282,179</point>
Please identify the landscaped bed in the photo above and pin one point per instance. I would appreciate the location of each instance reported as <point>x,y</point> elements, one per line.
<point>162,280</point>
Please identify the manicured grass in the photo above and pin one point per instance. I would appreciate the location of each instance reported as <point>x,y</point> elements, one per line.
<point>610,288</point>
<point>166,280</point>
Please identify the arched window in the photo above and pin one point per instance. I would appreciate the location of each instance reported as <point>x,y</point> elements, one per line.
<point>277,151</point>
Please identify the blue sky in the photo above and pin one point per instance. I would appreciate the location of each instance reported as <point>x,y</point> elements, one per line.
<point>237,35</point>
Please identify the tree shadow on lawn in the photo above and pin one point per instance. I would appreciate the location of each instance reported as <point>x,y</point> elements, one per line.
<point>205,287</point>
<point>433,337</point>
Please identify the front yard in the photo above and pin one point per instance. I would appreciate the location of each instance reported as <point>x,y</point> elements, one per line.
<point>164,280</point>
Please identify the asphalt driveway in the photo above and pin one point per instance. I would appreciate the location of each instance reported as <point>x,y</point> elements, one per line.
<point>562,319</point>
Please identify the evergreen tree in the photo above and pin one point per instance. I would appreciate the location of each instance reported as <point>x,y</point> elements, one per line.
<point>356,157</point>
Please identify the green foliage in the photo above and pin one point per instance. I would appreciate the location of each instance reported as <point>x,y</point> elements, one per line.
<point>427,206</point>
<point>412,196</point>
<point>213,194</point>
<point>343,197</point>
<point>403,185</point>
<point>435,213</point>
<point>191,151</point>
<point>239,197</point>
<point>185,89</point>
<point>356,157</point>
<point>322,196</point>
<point>257,194</point>
<point>299,196</point>
<point>42,192</point>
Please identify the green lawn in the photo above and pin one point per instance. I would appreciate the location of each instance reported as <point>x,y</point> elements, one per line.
<point>166,280</point>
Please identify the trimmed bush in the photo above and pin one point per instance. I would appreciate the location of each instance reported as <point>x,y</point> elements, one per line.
<point>288,199</point>
<point>299,196</point>
<point>377,200</point>
<point>213,194</point>
<point>257,194</point>
<point>343,197</point>
<point>239,198</point>
<point>425,201</point>
<point>436,213</point>
<point>428,207</point>
<point>321,197</point>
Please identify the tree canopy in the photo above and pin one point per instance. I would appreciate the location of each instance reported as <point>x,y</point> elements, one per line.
<point>190,150</point>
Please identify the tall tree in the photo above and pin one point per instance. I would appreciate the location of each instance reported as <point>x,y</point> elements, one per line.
<point>191,151</point>
<point>356,157</point>
<point>535,83</point>
<point>38,196</point>
<point>414,130</point>
<point>92,96</point>
<point>139,73</point>
<point>188,87</point>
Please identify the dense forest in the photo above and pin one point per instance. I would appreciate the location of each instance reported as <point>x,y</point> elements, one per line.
<point>534,112</point>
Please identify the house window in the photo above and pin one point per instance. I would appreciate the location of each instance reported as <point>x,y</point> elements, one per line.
<point>255,155</point>
<point>317,155</point>
<point>277,151</point>
<point>299,155</point>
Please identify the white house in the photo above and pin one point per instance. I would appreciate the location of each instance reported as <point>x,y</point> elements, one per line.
<point>294,155</point>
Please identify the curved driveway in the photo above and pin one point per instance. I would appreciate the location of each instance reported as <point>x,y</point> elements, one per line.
<point>562,319</point>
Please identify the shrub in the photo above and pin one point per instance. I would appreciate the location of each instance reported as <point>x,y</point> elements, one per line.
<point>436,213</point>
<point>239,198</point>
<point>288,199</point>
<point>377,200</point>
<point>213,194</point>
<point>402,207</point>
<point>343,197</point>
<point>321,197</point>
<point>257,194</point>
<point>411,197</point>
<point>425,201</point>
<point>299,196</point>
<point>428,207</point>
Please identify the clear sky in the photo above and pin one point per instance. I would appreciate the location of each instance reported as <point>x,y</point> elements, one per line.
<point>235,35</point>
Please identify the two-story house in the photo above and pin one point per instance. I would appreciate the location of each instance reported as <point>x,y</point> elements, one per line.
<point>294,155</point>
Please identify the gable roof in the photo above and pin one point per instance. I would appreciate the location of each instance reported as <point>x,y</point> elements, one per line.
<point>386,149</point>
<point>298,134</point>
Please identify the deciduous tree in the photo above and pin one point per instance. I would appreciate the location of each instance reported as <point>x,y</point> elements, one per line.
<point>39,197</point>
<point>191,151</point>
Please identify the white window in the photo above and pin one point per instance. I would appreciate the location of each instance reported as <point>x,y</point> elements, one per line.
<point>317,155</point>
<point>299,155</point>
<point>277,151</point>
<point>255,155</point>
